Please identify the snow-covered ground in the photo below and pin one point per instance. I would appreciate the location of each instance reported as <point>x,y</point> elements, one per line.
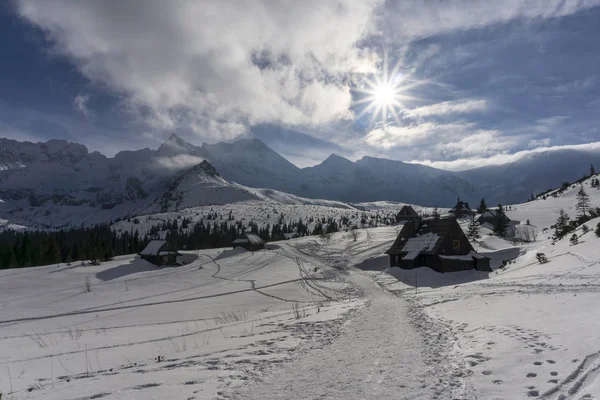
<point>264,212</point>
<point>312,318</point>
<point>217,321</point>
<point>526,330</point>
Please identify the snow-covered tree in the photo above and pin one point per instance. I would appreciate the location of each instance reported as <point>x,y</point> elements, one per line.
<point>482,207</point>
<point>574,239</point>
<point>473,229</point>
<point>583,202</point>
<point>561,227</point>
<point>501,222</point>
<point>592,170</point>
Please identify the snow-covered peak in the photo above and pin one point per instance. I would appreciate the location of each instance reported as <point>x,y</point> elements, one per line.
<point>175,145</point>
<point>205,168</point>
<point>14,154</point>
<point>338,161</point>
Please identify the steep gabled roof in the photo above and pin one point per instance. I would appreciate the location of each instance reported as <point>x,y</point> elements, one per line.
<point>461,206</point>
<point>408,211</point>
<point>426,239</point>
<point>249,238</point>
<point>153,248</point>
<point>489,213</point>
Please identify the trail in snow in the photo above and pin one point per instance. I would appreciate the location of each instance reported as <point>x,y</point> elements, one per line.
<point>377,356</point>
<point>380,354</point>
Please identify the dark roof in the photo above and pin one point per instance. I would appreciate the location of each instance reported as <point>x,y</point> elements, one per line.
<point>427,238</point>
<point>249,238</point>
<point>489,213</point>
<point>461,205</point>
<point>408,211</point>
<point>153,248</point>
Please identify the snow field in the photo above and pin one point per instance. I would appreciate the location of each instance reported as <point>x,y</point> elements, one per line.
<point>528,330</point>
<point>149,333</point>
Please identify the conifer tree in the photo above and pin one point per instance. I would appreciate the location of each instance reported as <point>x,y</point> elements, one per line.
<point>500,222</point>
<point>436,213</point>
<point>473,229</point>
<point>482,207</point>
<point>52,255</point>
<point>583,202</point>
<point>561,227</point>
<point>592,170</point>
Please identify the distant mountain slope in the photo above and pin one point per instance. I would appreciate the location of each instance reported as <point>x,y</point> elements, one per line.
<point>48,182</point>
<point>200,185</point>
<point>534,173</point>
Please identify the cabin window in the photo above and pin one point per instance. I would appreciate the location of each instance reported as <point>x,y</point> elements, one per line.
<point>456,244</point>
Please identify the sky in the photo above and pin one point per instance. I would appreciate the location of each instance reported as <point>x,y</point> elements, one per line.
<point>454,84</point>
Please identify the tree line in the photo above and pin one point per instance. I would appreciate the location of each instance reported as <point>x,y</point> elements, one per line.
<point>20,249</point>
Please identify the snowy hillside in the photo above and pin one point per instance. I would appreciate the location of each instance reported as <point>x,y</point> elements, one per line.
<point>306,319</point>
<point>58,183</point>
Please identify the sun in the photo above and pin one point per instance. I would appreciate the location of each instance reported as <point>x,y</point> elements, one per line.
<point>384,94</point>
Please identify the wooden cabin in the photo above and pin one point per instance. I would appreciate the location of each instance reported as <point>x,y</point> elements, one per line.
<point>159,252</point>
<point>249,241</point>
<point>490,216</point>
<point>407,213</point>
<point>461,210</point>
<point>439,244</point>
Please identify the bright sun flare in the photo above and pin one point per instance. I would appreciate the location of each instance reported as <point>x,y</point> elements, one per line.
<point>384,94</point>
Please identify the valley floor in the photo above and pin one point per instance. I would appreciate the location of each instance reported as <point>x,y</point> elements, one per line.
<point>308,319</point>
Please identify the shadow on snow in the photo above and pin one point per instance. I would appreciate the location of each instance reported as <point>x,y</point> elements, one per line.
<point>137,265</point>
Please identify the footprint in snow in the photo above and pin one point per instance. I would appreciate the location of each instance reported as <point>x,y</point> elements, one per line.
<point>533,393</point>
<point>531,375</point>
<point>553,373</point>
<point>551,361</point>
<point>498,382</point>
<point>537,363</point>
<point>487,372</point>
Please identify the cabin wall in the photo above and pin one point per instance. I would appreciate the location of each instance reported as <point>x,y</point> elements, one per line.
<point>455,233</point>
<point>455,265</point>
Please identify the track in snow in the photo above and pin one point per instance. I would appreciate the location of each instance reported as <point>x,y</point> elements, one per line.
<point>380,354</point>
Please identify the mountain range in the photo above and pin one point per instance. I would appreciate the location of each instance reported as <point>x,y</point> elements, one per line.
<point>48,183</point>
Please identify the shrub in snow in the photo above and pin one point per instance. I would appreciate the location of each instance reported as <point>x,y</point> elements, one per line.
<point>585,229</point>
<point>541,257</point>
<point>597,231</point>
<point>574,239</point>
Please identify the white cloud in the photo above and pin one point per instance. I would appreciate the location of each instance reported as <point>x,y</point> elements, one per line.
<point>179,161</point>
<point>415,134</point>
<point>449,108</point>
<point>80,104</point>
<point>482,142</point>
<point>552,121</point>
<point>194,64</point>
<point>499,159</point>
<point>576,86</point>
<point>418,18</point>
<point>539,143</point>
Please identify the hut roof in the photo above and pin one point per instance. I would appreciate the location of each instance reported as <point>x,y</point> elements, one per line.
<point>426,239</point>
<point>249,238</point>
<point>408,211</point>
<point>153,248</point>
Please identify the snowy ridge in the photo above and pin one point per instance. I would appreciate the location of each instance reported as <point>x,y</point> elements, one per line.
<point>43,183</point>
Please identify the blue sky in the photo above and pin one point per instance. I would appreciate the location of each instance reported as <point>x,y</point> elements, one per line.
<point>475,82</point>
